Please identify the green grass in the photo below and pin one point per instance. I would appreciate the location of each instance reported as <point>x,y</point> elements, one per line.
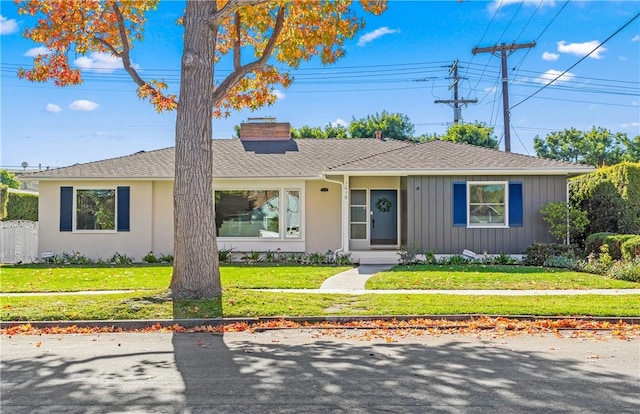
<point>150,301</point>
<point>245,303</point>
<point>40,278</point>
<point>484,277</point>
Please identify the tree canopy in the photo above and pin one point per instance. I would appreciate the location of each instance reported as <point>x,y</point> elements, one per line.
<point>477,133</point>
<point>392,125</point>
<point>262,38</point>
<point>9,179</point>
<point>597,147</point>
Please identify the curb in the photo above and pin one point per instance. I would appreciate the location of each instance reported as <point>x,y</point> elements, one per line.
<point>192,323</point>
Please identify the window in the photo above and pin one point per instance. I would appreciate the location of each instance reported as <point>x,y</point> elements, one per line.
<point>358,214</point>
<point>292,215</point>
<point>96,209</point>
<point>490,204</point>
<point>257,213</point>
<point>487,203</point>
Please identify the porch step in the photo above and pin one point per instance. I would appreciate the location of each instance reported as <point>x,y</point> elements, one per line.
<point>375,256</point>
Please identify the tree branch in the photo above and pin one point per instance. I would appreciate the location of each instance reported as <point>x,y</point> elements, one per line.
<point>231,7</point>
<point>237,46</point>
<point>241,71</point>
<point>126,48</point>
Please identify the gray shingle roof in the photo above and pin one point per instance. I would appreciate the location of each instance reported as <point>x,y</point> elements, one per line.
<point>310,158</point>
<point>449,156</point>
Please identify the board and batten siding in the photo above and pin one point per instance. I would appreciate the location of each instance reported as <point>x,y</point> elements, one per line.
<point>430,216</point>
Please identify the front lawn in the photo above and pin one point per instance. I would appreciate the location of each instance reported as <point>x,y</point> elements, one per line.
<point>42,278</point>
<point>488,277</point>
<point>249,303</point>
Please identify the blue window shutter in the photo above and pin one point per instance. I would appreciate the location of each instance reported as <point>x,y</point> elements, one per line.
<point>459,204</point>
<point>66,208</point>
<point>516,205</point>
<point>123,209</point>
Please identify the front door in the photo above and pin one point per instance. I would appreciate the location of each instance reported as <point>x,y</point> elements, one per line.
<point>383,205</point>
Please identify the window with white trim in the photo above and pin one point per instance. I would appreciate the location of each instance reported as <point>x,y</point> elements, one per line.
<point>258,213</point>
<point>96,209</point>
<point>487,204</point>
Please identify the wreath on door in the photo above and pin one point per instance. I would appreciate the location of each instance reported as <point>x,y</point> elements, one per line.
<point>383,204</point>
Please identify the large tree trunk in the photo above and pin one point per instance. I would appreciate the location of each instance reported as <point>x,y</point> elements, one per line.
<point>195,267</point>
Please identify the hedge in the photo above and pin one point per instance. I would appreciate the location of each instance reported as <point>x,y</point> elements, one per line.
<point>593,243</point>
<point>4,191</point>
<point>631,248</point>
<point>22,206</point>
<point>611,197</point>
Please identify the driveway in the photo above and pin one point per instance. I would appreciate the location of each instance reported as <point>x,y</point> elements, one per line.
<point>313,371</point>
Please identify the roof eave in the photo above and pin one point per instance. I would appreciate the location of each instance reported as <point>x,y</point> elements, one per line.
<point>472,171</point>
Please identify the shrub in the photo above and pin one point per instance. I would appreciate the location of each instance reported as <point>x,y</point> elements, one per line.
<point>4,198</point>
<point>615,244</point>
<point>224,255</point>
<point>593,243</point>
<point>631,248</point>
<point>629,270</point>
<point>557,213</point>
<point>343,259</point>
<point>502,259</point>
<point>22,206</point>
<point>121,259</point>
<point>150,258</point>
<point>166,258</point>
<point>409,256</point>
<point>564,262</point>
<point>538,253</point>
<point>610,190</point>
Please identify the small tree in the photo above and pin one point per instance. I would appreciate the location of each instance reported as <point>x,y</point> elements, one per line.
<point>565,222</point>
<point>9,179</point>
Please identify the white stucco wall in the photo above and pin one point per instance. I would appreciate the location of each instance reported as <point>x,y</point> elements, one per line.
<point>324,216</point>
<point>100,244</point>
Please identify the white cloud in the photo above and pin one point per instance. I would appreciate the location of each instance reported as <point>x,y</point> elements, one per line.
<point>53,108</point>
<point>635,38</point>
<point>278,94</point>
<point>492,89</point>
<point>582,49</point>
<point>550,56</point>
<point>502,3</point>
<point>339,121</point>
<point>7,26</point>
<point>99,62</point>
<point>551,74</point>
<point>83,105</point>
<point>631,125</point>
<point>108,135</point>
<point>371,36</point>
<point>35,51</point>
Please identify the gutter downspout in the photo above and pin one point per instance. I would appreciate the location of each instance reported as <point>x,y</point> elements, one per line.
<point>343,212</point>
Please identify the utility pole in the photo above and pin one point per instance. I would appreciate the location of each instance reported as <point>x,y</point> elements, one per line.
<point>455,102</point>
<point>504,48</point>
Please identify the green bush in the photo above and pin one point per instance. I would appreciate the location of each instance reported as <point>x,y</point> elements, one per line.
<point>593,243</point>
<point>611,197</point>
<point>538,253</point>
<point>629,270</point>
<point>22,206</point>
<point>631,248</point>
<point>615,244</point>
<point>4,198</point>
<point>564,262</point>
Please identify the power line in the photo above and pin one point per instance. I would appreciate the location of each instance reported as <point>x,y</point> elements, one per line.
<point>576,64</point>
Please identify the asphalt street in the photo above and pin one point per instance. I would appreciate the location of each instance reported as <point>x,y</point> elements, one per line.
<point>311,371</point>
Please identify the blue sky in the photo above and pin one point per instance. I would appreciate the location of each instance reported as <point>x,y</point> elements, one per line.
<point>398,63</point>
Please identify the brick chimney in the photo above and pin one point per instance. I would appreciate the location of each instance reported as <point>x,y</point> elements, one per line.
<point>265,129</point>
